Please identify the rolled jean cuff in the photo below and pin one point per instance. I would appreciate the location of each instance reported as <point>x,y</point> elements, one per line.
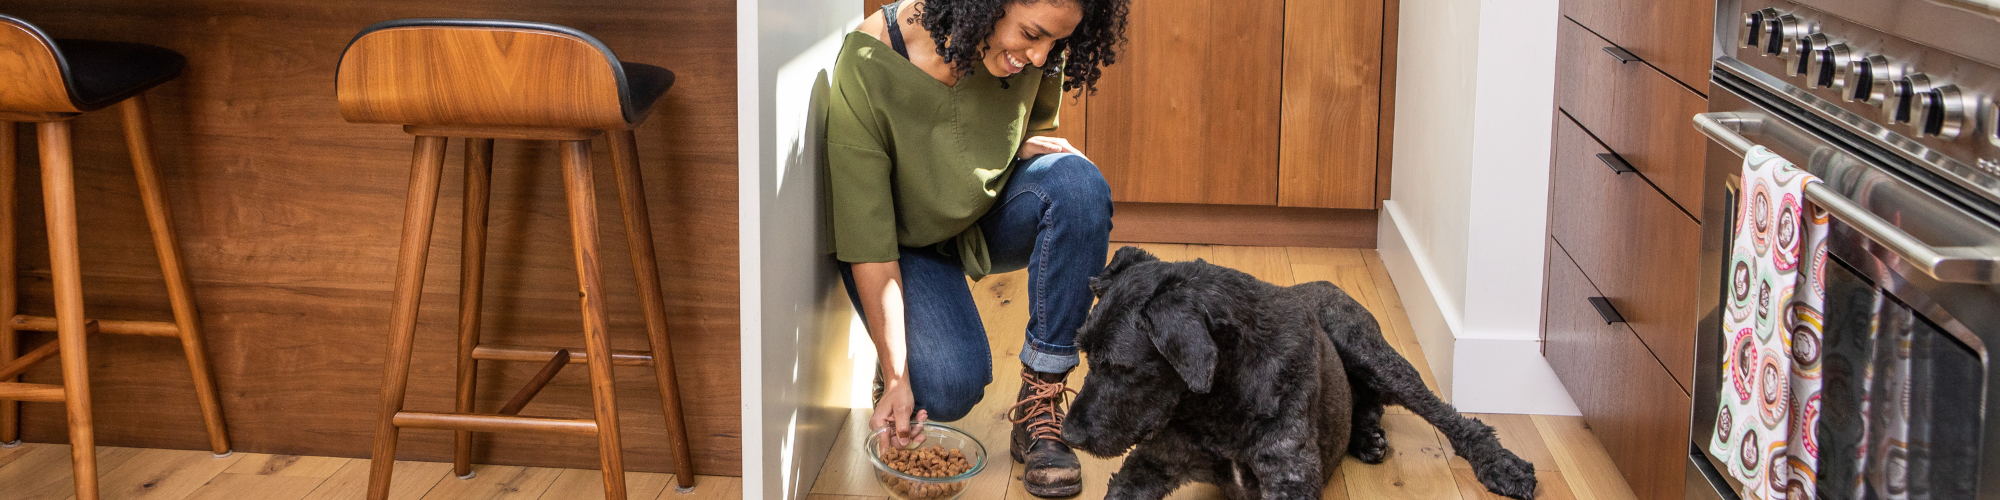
<point>1048,358</point>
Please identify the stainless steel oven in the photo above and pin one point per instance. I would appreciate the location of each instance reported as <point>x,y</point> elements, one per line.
<point>1891,102</point>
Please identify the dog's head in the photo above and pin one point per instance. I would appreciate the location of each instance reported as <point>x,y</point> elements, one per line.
<point>1149,344</point>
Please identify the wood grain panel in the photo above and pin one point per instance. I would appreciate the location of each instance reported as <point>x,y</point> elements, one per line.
<point>1639,113</point>
<point>1191,111</point>
<point>288,217</point>
<point>1073,122</point>
<point>1636,410</point>
<point>478,76</point>
<point>1673,36</point>
<point>1632,243</point>
<point>1243,225</point>
<point>1333,65</point>
<point>1385,129</point>
<point>30,79</point>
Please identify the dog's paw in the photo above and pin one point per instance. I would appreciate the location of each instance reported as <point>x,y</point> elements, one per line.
<point>1370,446</point>
<point>1507,475</point>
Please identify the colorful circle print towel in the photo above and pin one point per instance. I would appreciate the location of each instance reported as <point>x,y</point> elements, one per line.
<point>1766,424</point>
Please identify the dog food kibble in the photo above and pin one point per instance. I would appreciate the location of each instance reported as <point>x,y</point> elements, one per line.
<point>934,461</point>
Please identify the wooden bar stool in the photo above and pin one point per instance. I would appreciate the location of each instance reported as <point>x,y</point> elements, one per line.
<point>48,82</point>
<point>483,79</point>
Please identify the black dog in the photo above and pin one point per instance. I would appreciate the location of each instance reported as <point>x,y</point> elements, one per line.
<point>1221,378</point>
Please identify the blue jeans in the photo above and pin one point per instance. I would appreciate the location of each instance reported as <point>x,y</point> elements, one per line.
<point>1053,219</point>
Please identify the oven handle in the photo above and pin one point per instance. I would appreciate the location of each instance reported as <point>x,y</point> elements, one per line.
<point>1948,264</point>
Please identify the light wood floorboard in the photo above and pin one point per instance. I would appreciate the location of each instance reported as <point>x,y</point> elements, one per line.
<point>1568,460</point>
<point>36,471</point>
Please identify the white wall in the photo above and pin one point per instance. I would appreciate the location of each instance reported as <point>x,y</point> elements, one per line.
<point>796,366</point>
<point>1462,231</point>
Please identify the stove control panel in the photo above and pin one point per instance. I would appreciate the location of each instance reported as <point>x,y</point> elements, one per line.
<point>1916,103</point>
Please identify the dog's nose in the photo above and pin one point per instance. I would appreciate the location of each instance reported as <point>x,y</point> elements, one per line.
<point>1076,427</point>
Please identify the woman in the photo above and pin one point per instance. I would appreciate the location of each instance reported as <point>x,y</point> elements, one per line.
<point>940,165</point>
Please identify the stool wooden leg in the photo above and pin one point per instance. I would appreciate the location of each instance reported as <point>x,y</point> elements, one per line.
<point>471,278</point>
<point>59,201</point>
<point>138,140</point>
<point>10,344</point>
<point>639,236</point>
<point>582,195</point>
<point>419,210</point>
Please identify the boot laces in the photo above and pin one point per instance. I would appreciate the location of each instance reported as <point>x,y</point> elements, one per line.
<point>1041,409</point>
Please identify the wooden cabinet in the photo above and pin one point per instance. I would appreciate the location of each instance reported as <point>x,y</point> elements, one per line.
<point>1628,400</point>
<point>1256,102</point>
<point>1624,198</point>
<point>1672,35</point>
<point>1635,245</point>
<point>1635,110</point>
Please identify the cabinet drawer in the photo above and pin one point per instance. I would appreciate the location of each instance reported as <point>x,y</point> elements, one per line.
<point>1673,35</point>
<point>1628,400</point>
<point>1641,114</point>
<point>1637,248</point>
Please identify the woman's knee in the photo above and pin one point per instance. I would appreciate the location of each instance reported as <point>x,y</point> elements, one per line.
<point>952,397</point>
<point>1074,184</point>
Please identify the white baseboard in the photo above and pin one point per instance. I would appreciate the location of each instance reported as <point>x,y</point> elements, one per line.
<point>1476,375</point>
<point>1507,376</point>
<point>1428,321</point>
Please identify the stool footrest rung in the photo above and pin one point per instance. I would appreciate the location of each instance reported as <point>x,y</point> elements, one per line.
<point>21,364</point>
<point>46,393</point>
<point>111,326</point>
<point>480,422</point>
<point>498,352</point>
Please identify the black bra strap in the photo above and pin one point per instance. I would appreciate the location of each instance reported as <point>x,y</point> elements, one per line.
<point>895,29</point>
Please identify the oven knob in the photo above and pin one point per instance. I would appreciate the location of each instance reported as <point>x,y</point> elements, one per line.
<point>1753,27</point>
<point>1989,122</point>
<point>1830,67</point>
<point>1901,106</point>
<point>1941,112</point>
<point>1778,31</point>
<point>1869,80</point>
<point>1800,51</point>
<point>1791,30</point>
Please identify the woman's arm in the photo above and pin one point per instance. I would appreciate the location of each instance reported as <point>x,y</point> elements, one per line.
<point>880,285</point>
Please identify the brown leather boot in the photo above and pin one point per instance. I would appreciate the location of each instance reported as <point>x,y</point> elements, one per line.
<point>1038,417</point>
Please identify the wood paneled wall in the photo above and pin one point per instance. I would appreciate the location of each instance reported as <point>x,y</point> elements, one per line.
<point>289,219</point>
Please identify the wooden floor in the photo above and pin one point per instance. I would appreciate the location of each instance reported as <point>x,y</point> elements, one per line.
<point>1568,460</point>
<point>42,472</point>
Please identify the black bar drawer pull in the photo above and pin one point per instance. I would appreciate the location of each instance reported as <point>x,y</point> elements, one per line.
<point>1617,164</point>
<point>1623,56</point>
<point>1604,309</point>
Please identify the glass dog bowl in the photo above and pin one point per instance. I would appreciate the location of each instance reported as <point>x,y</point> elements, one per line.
<point>902,486</point>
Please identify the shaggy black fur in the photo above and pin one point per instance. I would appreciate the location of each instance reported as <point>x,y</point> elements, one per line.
<point>1221,378</point>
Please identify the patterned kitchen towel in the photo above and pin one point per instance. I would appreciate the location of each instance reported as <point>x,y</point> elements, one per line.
<point>1766,427</point>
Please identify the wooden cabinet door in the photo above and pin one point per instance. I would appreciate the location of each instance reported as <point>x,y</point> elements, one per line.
<point>1630,402</point>
<point>1190,113</point>
<point>1332,97</point>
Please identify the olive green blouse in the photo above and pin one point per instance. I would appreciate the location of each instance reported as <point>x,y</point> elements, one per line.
<point>912,162</point>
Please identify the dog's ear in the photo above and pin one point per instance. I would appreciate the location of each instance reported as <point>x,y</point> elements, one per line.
<point>1125,258</point>
<point>1180,332</point>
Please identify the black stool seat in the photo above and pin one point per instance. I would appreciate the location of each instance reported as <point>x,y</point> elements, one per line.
<point>101,73</point>
<point>644,84</point>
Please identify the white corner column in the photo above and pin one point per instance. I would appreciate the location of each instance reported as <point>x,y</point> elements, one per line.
<point>1462,231</point>
<point>796,371</point>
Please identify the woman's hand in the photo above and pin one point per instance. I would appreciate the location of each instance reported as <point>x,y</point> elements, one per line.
<point>893,411</point>
<point>1042,144</point>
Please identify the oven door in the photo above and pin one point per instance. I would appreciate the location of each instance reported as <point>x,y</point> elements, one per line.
<point>1911,304</point>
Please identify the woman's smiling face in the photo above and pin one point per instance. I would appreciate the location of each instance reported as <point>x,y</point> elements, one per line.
<point>1026,35</point>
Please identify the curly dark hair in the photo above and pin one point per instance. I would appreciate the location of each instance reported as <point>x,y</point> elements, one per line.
<point>1094,43</point>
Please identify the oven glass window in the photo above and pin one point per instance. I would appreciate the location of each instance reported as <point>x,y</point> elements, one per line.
<point>1901,408</point>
